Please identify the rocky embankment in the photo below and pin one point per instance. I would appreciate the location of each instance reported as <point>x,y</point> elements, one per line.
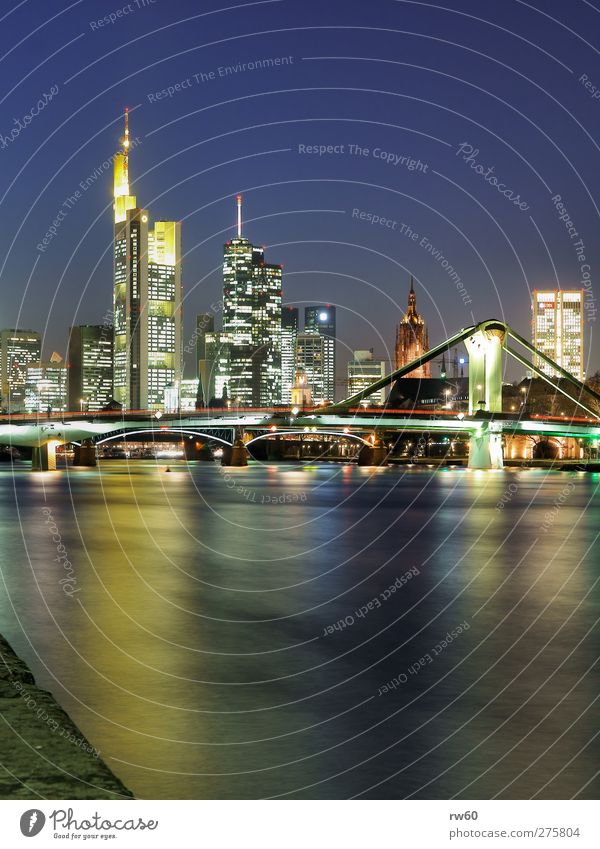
<point>43,755</point>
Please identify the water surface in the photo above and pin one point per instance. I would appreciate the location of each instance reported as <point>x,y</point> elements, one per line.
<point>234,633</point>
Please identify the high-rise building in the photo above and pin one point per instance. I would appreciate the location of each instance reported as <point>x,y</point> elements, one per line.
<point>90,367</point>
<point>252,317</point>
<point>412,339</point>
<point>310,360</point>
<point>218,359</point>
<point>18,348</point>
<point>46,386</point>
<point>289,333</point>
<point>147,297</point>
<point>364,370</point>
<point>321,320</point>
<point>205,323</point>
<point>557,329</point>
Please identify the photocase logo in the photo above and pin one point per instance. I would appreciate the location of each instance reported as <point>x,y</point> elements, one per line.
<point>32,822</point>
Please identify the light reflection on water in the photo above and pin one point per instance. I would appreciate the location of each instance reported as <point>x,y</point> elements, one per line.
<point>193,652</point>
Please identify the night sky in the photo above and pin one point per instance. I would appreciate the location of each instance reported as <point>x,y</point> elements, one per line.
<point>504,79</point>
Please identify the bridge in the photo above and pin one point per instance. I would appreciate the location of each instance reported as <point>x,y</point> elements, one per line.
<point>485,424</point>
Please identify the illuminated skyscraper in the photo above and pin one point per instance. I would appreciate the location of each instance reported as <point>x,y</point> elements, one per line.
<point>147,297</point>
<point>310,361</point>
<point>558,329</point>
<point>321,320</point>
<point>46,386</point>
<point>90,367</point>
<point>18,348</point>
<point>218,366</point>
<point>412,339</point>
<point>252,318</point>
<point>289,333</point>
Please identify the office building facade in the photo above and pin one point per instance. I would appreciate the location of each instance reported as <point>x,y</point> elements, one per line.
<point>46,386</point>
<point>363,370</point>
<point>322,320</point>
<point>289,334</point>
<point>18,349</point>
<point>558,330</point>
<point>310,362</point>
<point>90,367</point>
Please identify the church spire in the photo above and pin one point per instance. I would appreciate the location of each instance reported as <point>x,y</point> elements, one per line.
<point>412,339</point>
<point>412,298</point>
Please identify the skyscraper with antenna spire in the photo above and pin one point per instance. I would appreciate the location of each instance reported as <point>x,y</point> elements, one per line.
<point>251,322</point>
<point>146,296</point>
<point>412,339</point>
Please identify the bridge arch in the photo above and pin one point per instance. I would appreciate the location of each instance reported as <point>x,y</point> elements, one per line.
<point>124,433</point>
<point>548,448</point>
<point>271,434</point>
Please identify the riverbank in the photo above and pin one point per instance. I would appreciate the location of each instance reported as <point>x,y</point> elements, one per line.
<point>42,752</point>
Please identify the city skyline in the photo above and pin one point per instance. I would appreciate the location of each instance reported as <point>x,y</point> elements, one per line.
<point>181,173</point>
<point>254,358</point>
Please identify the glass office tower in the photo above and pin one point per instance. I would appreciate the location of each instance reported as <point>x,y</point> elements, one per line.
<point>90,367</point>
<point>557,329</point>
<point>321,319</point>
<point>18,348</point>
<point>147,341</point>
<point>252,320</point>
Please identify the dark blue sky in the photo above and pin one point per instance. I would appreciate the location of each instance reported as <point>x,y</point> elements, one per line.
<point>408,79</point>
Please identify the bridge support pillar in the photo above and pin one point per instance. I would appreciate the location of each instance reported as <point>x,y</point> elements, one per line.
<point>85,454</point>
<point>196,450</point>
<point>485,368</point>
<point>236,454</point>
<point>485,449</point>
<point>374,455</point>
<point>43,457</point>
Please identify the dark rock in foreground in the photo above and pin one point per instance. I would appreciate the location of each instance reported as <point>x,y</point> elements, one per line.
<point>42,753</point>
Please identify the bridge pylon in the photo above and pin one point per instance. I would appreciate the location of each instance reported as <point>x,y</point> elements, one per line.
<point>85,454</point>
<point>43,457</point>
<point>485,447</point>
<point>485,348</point>
<point>376,454</point>
<point>236,454</point>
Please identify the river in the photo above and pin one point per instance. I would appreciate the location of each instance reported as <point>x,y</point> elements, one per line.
<point>316,631</point>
